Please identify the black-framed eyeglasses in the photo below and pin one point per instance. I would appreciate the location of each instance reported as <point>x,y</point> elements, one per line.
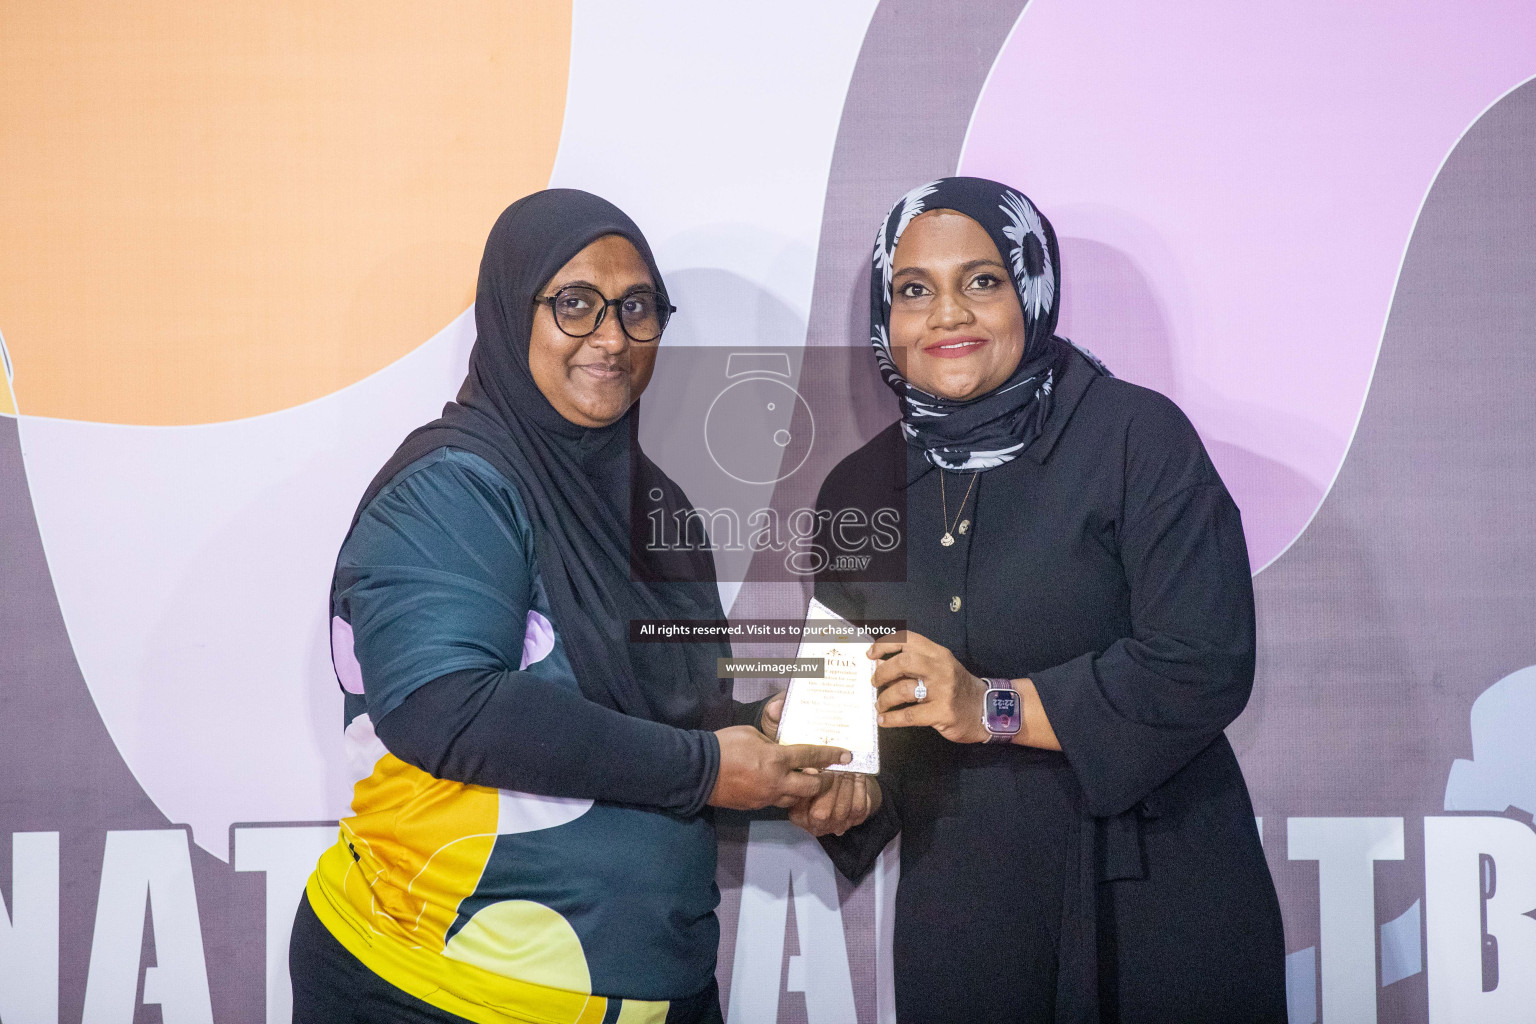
<point>579,310</point>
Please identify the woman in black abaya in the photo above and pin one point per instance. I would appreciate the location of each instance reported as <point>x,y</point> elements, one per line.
<point>1066,541</point>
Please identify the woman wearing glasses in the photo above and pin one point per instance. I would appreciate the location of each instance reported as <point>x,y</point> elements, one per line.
<point>530,839</point>
<point>1077,842</point>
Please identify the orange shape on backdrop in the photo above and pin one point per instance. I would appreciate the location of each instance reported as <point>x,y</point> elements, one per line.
<point>213,211</point>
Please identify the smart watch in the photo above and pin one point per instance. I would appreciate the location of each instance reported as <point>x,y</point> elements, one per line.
<point>1002,712</point>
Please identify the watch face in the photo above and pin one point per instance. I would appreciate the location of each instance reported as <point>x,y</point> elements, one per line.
<point>1003,711</point>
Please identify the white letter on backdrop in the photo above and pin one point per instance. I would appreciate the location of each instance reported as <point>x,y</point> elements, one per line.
<point>1346,850</point>
<point>781,858</point>
<point>151,866</point>
<point>29,936</point>
<point>287,855</point>
<point>1479,883</point>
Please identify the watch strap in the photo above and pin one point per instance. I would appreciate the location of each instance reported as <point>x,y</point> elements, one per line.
<point>998,737</point>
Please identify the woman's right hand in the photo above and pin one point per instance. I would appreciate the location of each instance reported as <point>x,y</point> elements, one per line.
<point>756,772</point>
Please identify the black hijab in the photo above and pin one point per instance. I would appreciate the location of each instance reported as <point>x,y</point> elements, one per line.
<point>994,428</point>
<point>587,490</point>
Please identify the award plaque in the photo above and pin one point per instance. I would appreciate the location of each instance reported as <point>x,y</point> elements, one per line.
<point>837,709</point>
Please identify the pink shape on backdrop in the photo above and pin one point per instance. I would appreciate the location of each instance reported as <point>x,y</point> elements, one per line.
<point>1234,186</point>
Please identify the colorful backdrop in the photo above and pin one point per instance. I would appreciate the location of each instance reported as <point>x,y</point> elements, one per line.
<point>237,247</point>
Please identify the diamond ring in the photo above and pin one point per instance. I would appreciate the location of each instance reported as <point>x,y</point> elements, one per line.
<point>921,693</point>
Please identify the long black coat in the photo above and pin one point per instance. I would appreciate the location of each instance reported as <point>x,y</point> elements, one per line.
<point>1122,878</point>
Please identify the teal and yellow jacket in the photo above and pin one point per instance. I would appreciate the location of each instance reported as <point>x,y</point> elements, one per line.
<point>515,852</point>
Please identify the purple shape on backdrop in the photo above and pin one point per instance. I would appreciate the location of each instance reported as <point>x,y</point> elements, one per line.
<point>538,639</point>
<point>1228,241</point>
<point>1402,948</point>
<point>1301,986</point>
<point>1502,770</point>
<point>64,774</point>
<point>343,657</point>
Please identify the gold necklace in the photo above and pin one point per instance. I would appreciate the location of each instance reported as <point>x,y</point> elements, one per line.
<point>960,526</point>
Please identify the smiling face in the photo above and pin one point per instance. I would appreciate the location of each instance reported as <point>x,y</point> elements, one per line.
<point>593,381</point>
<point>957,329</point>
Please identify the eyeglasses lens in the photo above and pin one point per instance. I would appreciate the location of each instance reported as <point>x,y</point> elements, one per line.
<point>642,313</point>
<point>576,310</point>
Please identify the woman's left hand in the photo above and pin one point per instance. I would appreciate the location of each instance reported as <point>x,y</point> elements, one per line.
<point>953,699</point>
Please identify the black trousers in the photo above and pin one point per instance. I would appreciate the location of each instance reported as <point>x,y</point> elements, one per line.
<point>331,986</point>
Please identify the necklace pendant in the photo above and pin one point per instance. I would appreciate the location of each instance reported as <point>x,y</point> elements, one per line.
<point>947,539</point>
<point>965,524</point>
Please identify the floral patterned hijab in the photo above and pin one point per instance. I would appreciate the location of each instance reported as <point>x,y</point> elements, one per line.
<point>989,430</point>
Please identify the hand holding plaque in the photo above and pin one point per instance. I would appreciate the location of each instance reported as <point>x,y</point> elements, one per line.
<point>838,707</point>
